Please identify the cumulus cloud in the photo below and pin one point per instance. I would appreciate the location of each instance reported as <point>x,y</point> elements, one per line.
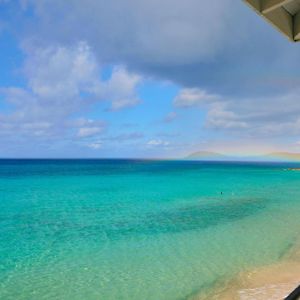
<point>95,145</point>
<point>268,116</point>
<point>57,76</point>
<point>61,82</point>
<point>254,116</point>
<point>121,89</point>
<point>58,71</point>
<point>195,43</point>
<point>158,143</point>
<point>189,97</point>
<point>89,128</point>
<point>89,131</point>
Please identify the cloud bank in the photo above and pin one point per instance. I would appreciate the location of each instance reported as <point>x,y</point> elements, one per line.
<point>220,46</point>
<point>236,70</point>
<point>63,84</point>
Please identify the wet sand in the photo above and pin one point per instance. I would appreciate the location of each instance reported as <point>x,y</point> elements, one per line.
<point>272,282</point>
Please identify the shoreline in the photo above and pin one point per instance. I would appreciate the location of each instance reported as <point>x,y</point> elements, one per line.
<point>271,282</point>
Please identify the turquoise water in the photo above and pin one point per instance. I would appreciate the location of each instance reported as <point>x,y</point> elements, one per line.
<point>121,229</point>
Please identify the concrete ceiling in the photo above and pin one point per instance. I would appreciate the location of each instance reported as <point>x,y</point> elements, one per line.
<point>283,14</point>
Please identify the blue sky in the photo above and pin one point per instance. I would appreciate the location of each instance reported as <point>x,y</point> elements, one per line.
<point>144,78</point>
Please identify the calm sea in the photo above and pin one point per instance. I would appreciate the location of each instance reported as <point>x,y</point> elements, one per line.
<point>132,229</point>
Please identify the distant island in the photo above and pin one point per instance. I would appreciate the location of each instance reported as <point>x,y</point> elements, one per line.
<point>215,156</point>
<point>206,155</point>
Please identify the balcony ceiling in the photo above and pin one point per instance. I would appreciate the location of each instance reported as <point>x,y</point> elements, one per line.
<point>283,14</point>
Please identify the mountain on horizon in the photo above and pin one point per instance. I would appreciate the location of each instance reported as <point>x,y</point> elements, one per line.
<point>285,156</point>
<point>273,156</point>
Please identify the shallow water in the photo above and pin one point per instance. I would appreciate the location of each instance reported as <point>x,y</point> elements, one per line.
<point>121,229</point>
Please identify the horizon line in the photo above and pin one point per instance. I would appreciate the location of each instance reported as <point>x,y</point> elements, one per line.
<point>151,159</point>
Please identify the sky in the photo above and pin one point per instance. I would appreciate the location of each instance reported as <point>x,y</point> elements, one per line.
<point>144,79</point>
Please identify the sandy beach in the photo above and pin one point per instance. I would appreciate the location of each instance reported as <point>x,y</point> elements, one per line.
<point>271,282</point>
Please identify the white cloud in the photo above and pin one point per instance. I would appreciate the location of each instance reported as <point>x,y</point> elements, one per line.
<point>183,41</point>
<point>158,143</point>
<point>254,116</point>
<point>268,116</point>
<point>121,89</point>
<point>89,131</point>
<point>88,128</point>
<point>218,117</point>
<point>186,42</point>
<point>63,81</point>
<point>190,97</point>
<point>57,77</point>
<point>95,145</point>
<point>56,72</point>
<point>257,116</point>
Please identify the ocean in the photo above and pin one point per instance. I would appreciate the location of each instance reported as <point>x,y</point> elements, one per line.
<point>140,229</point>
